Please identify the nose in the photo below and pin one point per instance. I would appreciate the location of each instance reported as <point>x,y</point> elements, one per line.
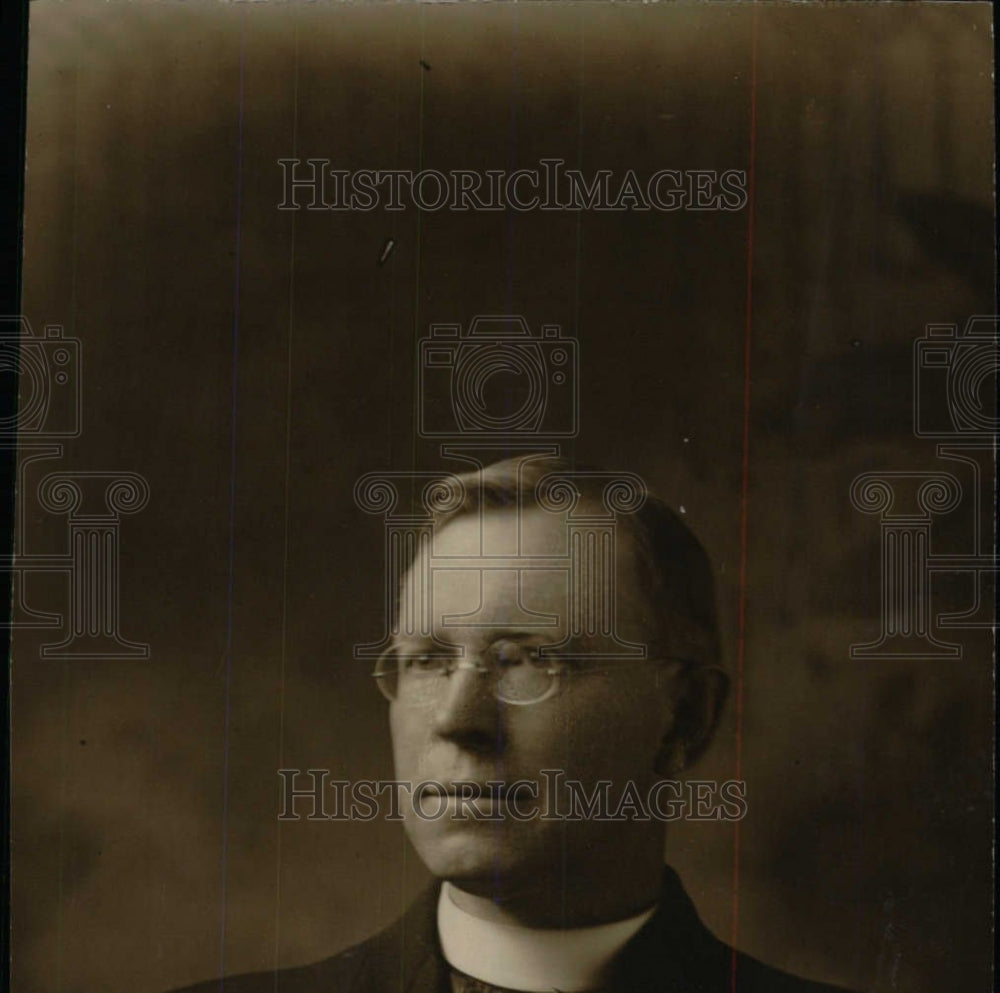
<point>467,714</point>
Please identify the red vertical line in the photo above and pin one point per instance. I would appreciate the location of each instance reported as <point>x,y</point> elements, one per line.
<point>745,478</point>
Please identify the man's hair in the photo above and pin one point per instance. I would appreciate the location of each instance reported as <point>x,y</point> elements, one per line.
<point>673,569</point>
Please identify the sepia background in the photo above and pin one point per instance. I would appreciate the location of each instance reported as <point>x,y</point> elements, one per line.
<point>251,364</point>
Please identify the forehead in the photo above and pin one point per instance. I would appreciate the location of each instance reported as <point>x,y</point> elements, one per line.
<point>503,531</point>
<point>510,568</point>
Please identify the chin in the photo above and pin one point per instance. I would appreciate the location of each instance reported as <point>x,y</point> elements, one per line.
<point>476,857</point>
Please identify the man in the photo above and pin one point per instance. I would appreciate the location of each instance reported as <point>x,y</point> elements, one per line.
<point>517,688</point>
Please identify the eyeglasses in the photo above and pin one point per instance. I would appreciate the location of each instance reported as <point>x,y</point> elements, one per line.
<point>518,674</point>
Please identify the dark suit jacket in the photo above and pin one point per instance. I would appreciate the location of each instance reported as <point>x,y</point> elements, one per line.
<point>673,953</point>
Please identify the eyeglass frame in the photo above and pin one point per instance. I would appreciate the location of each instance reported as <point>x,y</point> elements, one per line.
<point>460,664</point>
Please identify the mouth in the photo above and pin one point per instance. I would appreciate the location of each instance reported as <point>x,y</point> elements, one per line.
<point>489,791</point>
<point>467,788</point>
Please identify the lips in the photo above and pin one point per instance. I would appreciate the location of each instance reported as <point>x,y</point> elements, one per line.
<point>480,790</point>
<point>466,787</point>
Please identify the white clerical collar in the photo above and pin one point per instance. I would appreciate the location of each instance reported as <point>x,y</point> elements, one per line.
<point>536,960</point>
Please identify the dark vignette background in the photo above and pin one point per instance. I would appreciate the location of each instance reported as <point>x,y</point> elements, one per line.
<point>251,364</point>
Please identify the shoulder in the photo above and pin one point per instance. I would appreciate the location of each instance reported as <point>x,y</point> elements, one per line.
<point>370,965</point>
<point>676,951</point>
<point>753,976</point>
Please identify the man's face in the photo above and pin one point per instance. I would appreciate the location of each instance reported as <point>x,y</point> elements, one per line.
<point>597,726</point>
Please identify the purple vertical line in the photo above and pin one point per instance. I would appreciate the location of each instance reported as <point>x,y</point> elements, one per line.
<point>232,513</point>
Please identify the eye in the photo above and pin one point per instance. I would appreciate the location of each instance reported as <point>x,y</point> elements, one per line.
<point>416,661</point>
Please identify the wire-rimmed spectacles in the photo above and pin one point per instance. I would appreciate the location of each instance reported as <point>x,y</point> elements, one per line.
<point>519,674</point>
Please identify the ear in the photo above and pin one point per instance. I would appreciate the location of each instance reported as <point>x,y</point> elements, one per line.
<point>701,695</point>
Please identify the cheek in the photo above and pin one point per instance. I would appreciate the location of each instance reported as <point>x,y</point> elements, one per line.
<point>608,735</point>
<point>408,740</point>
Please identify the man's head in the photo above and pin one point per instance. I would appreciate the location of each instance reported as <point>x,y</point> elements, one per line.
<point>615,720</point>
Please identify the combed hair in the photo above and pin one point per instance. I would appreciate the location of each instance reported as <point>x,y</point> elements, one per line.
<point>673,568</point>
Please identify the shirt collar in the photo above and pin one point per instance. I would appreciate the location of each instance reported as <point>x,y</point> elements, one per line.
<point>536,960</point>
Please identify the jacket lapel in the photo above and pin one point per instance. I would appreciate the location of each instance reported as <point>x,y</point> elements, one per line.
<point>407,957</point>
<point>674,952</point>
